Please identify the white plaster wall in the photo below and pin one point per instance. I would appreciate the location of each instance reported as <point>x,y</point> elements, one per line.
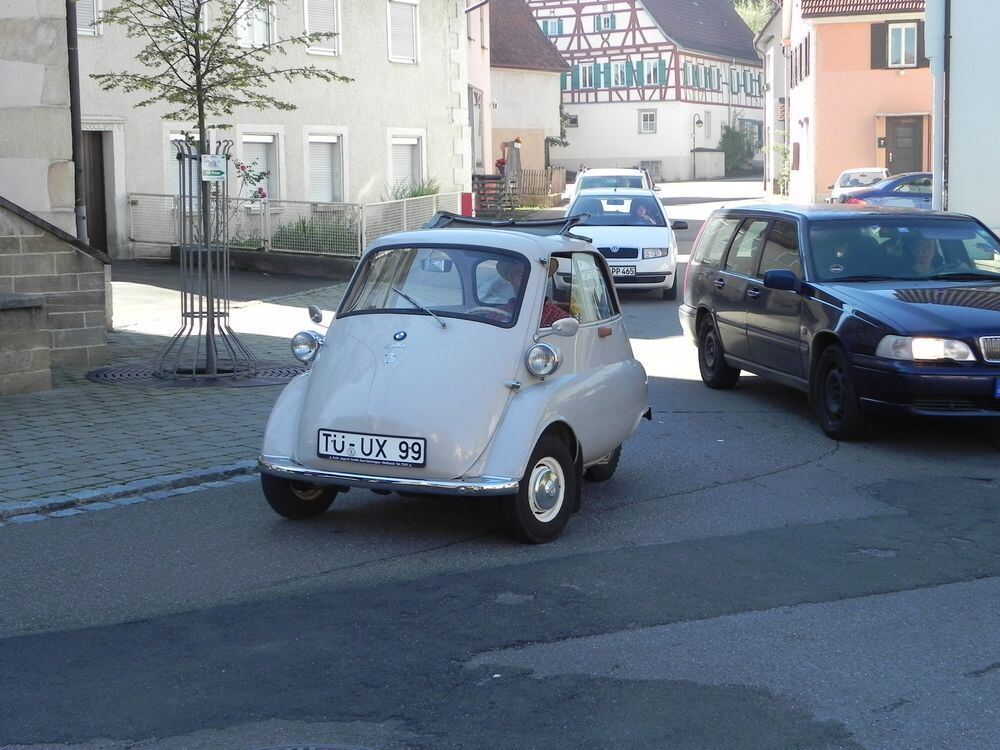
<point>430,97</point>
<point>776,87</point>
<point>974,110</point>
<point>481,75</point>
<point>36,171</point>
<point>802,119</point>
<point>526,99</point>
<point>608,136</point>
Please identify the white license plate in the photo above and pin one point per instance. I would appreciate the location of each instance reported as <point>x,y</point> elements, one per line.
<point>622,271</point>
<point>368,448</point>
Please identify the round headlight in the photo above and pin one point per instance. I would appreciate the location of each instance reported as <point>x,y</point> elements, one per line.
<point>305,345</point>
<point>542,360</point>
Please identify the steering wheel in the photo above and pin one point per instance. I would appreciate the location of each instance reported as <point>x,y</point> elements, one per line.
<point>486,310</point>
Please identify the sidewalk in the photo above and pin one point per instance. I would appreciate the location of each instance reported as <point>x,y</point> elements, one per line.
<point>85,446</point>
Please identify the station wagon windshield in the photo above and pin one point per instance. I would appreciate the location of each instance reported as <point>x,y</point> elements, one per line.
<point>474,284</point>
<point>903,248</point>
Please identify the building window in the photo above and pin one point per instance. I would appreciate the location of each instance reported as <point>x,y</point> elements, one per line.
<point>652,77</point>
<point>406,169</point>
<point>260,153</point>
<point>604,22</point>
<point>255,28</point>
<point>587,76</point>
<point>902,45</point>
<point>552,26</point>
<point>402,31</point>
<point>323,16</point>
<point>647,121</point>
<point>572,121</point>
<point>87,13</point>
<point>619,77</point>
<point>326,169</point>
<point>192,187</point>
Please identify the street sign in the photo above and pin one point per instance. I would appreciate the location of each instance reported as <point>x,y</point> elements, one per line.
<point>213,167</point>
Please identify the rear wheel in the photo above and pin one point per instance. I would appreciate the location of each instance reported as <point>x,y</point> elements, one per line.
<point>835,398</point>
<point>604,471</point>
<point>296,500</point>
<point>540,510</point>
<point>715,372</point>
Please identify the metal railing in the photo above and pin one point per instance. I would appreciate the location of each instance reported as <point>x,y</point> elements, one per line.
<point>339,229</point>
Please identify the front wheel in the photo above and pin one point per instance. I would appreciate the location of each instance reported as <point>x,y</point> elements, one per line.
<point>835,398</point>
<point>296,500</point>
<point>715,371</point>
<point>540,510</point>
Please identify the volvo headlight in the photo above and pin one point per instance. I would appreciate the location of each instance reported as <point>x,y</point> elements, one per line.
<point>542,360</point>
<point>923,348</point>
<point>655,252</point>
<point>305,345</point>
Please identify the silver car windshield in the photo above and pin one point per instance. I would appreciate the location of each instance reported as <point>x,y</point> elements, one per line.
<point>903,248</point>
<point>614,210</point>
<point>475,284</point>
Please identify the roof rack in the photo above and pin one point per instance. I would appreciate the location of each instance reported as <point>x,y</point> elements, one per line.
<point>558,225</point>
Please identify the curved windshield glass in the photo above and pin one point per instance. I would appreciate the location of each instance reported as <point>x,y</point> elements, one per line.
<point>613,210</point>
<point>609,181</point>
<point>903,248</point>
<point>444,282</point>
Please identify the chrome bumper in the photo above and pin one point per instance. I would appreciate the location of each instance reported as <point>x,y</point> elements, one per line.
<point>280,466</point>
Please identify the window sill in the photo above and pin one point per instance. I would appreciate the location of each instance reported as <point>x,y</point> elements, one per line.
<point>322,52</point>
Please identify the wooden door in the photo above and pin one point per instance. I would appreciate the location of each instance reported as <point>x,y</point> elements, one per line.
<point>93,180</point>
<point>904,144</point>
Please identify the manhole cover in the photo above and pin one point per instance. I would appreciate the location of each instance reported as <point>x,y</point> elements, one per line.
<point>266,374</point>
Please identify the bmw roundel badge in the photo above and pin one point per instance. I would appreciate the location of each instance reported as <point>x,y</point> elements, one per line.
<point>399,335</point>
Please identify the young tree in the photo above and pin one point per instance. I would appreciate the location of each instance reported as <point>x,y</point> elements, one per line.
<point>756,13</point>
<point>194,60</point>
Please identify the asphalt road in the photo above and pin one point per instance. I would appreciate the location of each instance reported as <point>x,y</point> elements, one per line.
<point>743,582</point>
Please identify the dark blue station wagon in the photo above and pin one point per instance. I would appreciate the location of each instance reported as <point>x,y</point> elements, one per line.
<point>864,309</point>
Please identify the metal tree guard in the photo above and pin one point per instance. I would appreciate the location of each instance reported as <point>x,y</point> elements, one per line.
<point>205,346</point>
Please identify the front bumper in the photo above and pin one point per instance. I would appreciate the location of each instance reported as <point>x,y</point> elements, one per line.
<point>280,466</point>
<point>927,390</point>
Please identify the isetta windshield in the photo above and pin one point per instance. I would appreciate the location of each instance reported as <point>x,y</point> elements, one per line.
<point>447,282</point>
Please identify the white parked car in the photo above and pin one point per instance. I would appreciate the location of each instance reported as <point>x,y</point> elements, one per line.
<point>613,177</point>
<point>630,228</point>
<point>455,365</point>
<point>855,179</point>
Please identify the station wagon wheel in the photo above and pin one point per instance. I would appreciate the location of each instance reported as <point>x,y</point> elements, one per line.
<point>835,398</point>
<point>715,372</point>
<point>541,508</point>
<point>296,500</point>
<point>602,472</point>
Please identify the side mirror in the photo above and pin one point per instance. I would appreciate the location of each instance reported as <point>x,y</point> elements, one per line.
<point>315,314</point>
<point>565,327</point>
<point>435,265</point>
<point>656,188</point>
<point>678,224</point>
<point>782,278</point>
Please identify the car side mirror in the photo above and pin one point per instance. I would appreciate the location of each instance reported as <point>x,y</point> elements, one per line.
<point>678,224</point>
<point>782,278</point>
<point>435,265</point>
<point>315,314</point>
<point>656,188</point>
<point>565,327</point>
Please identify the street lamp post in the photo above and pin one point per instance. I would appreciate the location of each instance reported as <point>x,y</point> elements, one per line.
<point>695,124</point>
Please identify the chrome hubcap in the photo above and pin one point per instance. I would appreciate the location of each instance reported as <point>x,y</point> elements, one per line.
<point>546,490</point>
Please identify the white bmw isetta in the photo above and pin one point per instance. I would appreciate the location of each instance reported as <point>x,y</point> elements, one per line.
<point>472,357</point>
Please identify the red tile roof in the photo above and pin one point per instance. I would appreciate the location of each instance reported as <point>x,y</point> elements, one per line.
<point>813,8</point>
<point>517,41</point>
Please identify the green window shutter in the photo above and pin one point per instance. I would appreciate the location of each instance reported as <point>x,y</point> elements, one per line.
<point>608,80</point>
<point>879,33</point>
<point>661,68</point>
<point>559,27</point>
<point>640,78</point>
<point>545,27</point>
<point>612,21</point>
<point>576,77</point>
<point>597,23</point>
<point>629,73</point>
<point>597,70</point>
<point>563,81</point>
<point>687,74</point>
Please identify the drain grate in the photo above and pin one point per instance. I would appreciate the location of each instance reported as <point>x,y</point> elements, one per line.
<point>266,374</point>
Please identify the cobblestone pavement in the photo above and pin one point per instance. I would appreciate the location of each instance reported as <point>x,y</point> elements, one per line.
<point>85,446</point>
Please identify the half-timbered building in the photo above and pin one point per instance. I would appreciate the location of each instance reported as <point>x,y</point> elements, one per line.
<point>651,81</point>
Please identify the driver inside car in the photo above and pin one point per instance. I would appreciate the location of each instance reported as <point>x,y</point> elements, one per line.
<point>513,272</point>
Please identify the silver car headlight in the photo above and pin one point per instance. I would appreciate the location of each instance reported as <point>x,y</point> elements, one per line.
<point>655,252</point>
<point>305,345</point>
<point>923,348</point>
<point>542,360</point>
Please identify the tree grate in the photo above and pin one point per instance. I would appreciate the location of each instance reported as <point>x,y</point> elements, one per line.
<point>264,374</point>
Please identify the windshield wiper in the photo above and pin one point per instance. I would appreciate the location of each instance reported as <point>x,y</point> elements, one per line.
<point>427,310</point>
<point>966,275</point>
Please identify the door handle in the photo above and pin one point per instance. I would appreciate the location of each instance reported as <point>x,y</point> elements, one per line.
<point>753,293</point>
<point>719,283</point>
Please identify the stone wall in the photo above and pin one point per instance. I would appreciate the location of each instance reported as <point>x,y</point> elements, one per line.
<point>38,258</point>
<point>24,344</point>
